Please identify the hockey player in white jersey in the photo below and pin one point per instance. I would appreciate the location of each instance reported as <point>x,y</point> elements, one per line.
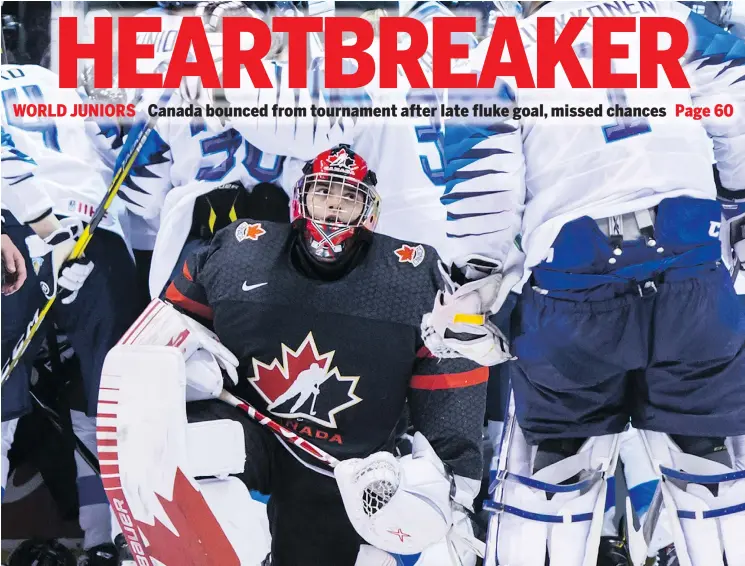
<point>17,167</point>
<point>626,312</point>
<point>67,176</point>
<point>197,174</point>
<point>409,153</point>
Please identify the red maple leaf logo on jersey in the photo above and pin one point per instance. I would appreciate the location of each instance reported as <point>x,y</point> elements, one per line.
<point>254,232</point>
<point>246,231</point>
<point>410,254</point>
<point>305,384</point>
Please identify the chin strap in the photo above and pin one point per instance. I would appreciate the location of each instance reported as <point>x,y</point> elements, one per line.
<point>309,265</point>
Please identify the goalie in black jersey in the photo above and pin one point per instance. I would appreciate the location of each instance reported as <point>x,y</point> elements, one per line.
<point>319,326</point>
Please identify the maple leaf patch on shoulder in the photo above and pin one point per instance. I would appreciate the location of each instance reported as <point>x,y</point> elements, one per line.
<point>246,231</point>
<point>410,254</point>
<point>305,384</point>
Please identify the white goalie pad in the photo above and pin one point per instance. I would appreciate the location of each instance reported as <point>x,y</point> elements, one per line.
<point>160,324</point>
<point>535,515</point>
<point>149,456</point>
<point>215,448</point>
<point>706,524</point>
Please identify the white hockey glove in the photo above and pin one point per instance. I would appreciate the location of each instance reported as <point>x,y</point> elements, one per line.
<point>68,276</point>
<point>463,546</point>
<point>401,505</point>
<point>206,357</point>
<point>732,233</point>
<point>371,556</point>
<point>458,325</point>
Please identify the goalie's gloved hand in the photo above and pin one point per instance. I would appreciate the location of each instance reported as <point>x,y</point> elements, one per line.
<point>208,362</point>
<point>397,505</point>
<point>68,276</point>
<point>458,325</point>
<point>207,366</point>
<point>409,504</point>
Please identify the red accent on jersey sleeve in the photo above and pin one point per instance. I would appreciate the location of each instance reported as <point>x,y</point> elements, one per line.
<point>186,273</point>
<point>450,380</point>
<point>424,352</point>
<point>178,299</point>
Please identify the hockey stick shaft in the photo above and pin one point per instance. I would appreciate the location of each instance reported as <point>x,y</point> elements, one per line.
<point>83,240</point>
<point>314,451</point>
<point>80,447</point>
<point>278,429</point>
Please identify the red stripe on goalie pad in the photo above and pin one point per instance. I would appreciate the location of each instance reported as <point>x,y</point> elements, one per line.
<point>109,469</point>
<point>111,483</point>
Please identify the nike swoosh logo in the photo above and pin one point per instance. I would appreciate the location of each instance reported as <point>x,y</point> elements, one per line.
<point>247,287</point>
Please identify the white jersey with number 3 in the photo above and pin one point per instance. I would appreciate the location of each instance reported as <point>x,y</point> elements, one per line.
<point>602,167</point>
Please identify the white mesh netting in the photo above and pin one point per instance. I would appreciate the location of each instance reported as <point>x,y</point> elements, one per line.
<point>380,481</point>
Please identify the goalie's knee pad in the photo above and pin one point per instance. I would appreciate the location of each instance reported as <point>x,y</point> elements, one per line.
<point>703,494</point>
<point>149,458</point>
<point>162,325</point>
<point>555,512</point>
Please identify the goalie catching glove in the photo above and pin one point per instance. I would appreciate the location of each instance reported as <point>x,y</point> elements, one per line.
<point>205,356</point>
<point>405,505</point>
<point>68,276</point>
<point>458,325</point>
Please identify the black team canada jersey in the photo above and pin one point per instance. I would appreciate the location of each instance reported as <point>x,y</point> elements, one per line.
<point>335,361</point>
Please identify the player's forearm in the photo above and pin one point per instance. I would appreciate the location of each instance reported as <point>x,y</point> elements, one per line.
<point>452,420</point>
<point>46,225</point>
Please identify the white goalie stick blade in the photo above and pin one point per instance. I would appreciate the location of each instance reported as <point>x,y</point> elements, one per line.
<point>527,524</point>
<point>143,451</point>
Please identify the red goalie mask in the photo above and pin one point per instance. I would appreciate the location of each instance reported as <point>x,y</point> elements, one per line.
<point>335,200</point>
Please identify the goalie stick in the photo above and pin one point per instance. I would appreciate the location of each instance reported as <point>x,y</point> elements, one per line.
<point>85,237</point>
<point>304,445</point>
<point>278,429</point>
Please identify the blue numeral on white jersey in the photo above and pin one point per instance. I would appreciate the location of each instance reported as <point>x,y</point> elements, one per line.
<point>46,128</point>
